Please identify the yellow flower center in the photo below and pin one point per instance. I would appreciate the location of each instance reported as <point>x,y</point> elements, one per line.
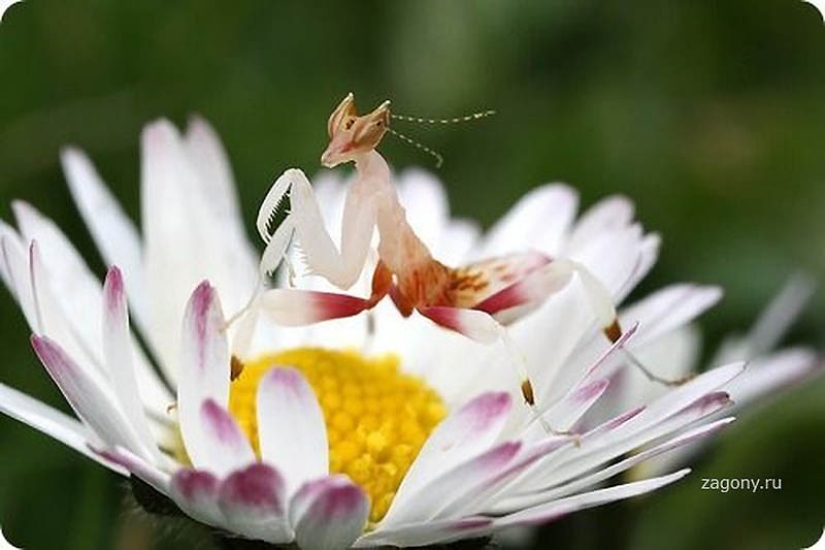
<point>377,418</point>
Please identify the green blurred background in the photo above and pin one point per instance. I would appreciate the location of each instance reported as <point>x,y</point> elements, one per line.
<point>709,114</point>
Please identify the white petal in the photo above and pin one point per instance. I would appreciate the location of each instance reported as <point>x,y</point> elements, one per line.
<point>457,241</point>
<point>539,220</point>
<point>613,257</point>
<point>778,316</point>
<point>771,373</point>
<point>427,533</point>
<point>210,161</point>
<point>113,232</point>
<point>205,370</point>
<point>608,215</point>
<point>559,508</point>
<point>649,253</point>
<point>14,257</point>
<point>253,501</point>
<point>51,422</point>
<point>668,309</point>
<point>185,242</point>
<point>330,514</point>
<point>117,354</point>
<point>425,202</point>
<point>291,427</point>
<point>464,434</point>
<point>91,402</point>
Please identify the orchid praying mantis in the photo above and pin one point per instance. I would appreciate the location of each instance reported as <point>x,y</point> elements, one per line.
<point>477,300</point>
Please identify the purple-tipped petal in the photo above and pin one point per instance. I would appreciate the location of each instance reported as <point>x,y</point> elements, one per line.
<point>117,357</point>
<point>253,501</point>
<point>467,433</point>
<point>137,466</point>
<point>442,491</point>
<point>204,370</point>
<point>228,447</point>
<point>564,414</point>
<point>89,400</point>
<point>196,492</point>
<point>329,514</point>
<point>509,505</point>
<point>291,427</point>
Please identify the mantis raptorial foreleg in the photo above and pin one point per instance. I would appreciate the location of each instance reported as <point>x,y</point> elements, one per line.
<point>304,219</point>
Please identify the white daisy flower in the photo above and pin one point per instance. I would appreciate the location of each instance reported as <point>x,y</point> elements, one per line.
<point>369,431</point>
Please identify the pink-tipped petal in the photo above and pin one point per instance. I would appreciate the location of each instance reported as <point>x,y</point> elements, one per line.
<point>329,514</point>
<point>510,505</point>
<point>228,447</point>
<point>465,434</point>
<point>253,501</point>
<point>291,427</point>
<point>452,485</point>
<point>595,451</point>
<point>564,414</point>
<point>426,205</point>
<point>196,492</point>
<point>137,466</point>
<point>91,402</point>
<point>204,370</point>
<point>117,356</point>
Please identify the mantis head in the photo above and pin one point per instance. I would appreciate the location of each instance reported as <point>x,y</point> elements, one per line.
<point>351,135</point>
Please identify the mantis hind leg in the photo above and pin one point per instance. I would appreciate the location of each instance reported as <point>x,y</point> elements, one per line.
<point>483,328</point>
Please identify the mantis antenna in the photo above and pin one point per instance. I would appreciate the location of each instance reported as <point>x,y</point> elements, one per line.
<point>439,160</point>
<point>467,118</point>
